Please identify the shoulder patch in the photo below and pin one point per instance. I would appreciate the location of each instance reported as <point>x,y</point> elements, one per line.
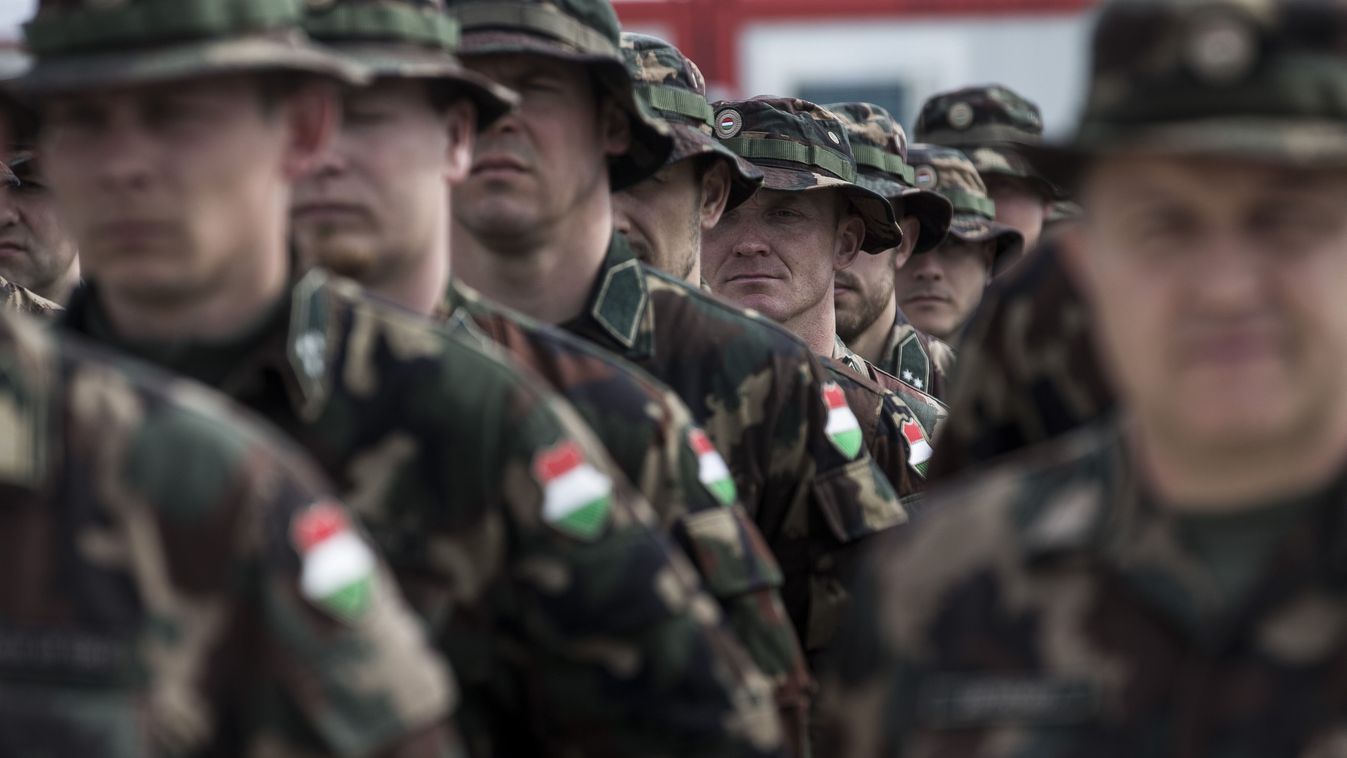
<point>844,431</point>
<point>577,498</point>
<point>338,567</point>
<point>711,468</point>
<point>918,447</point>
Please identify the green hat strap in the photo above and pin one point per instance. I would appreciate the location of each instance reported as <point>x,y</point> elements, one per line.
<point>872,157</point>
<point>981,135</point>
<point>967,202</point>
<point>813,156</point>
<point>539,19</point>
<point>384,22</point>
<point>156,21</point>
<point>680,102</point>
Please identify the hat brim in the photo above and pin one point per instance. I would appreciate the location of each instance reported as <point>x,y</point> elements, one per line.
<point>1012,161</point>
<point>290,52</point>
<point>651,140</point>
<point>393,60</point>
<point>881,225</point>
<point>1287,142</point>
<point>690,142</point>
<point>931,209</point>
<point>1009,241</point>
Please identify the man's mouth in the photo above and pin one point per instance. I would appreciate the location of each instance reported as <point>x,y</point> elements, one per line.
<point>498,165</point>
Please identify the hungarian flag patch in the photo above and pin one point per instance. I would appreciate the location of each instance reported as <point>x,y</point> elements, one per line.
<point>576,496</point>
<point>918,449</point>
<point>711,468</point>
<point>338,567</point>
<point>843,429</point>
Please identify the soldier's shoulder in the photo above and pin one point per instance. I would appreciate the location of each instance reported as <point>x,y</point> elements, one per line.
<point>726,321</point>
<point>16,298</point>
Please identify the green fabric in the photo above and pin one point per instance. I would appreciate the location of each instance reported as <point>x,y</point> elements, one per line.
<point>674,100</point>
<point>782,150</point>
<point>966,202</point>
<point>384,22</point>
<point>537,18</point>
<point>869,155</point>
<point>149,22</point>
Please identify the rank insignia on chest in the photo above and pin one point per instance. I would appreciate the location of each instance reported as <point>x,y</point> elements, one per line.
<point>577,497</point>
<point>338,567</point>
<point>711,468</point>
<point>844,431</point>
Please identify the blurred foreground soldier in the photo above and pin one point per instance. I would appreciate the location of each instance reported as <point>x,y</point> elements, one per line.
<point>172,137</point>
<point>183,583</point>
<point>1171,583</point>
<point>991,124</point>
<point>37,251</point>
<point>778,253</point>
<point>533,230</point>
<point>869,320</point>
<point>377,209</point>
<point>939,290</point>
<point>664,216</point>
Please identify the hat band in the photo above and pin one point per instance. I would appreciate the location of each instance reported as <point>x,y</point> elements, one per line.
<point>149,22</point>
<point>982,135</point>
<point>783,150</point>
<point>872,157</point>
<point>384,23</point>
<point>967,202</point>
<point>677,101</point>
<point>540,19</point>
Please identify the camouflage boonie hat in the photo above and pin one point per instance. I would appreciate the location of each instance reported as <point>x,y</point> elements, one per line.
<point>800,146</point>
<point>406,39</point>
<point>988,124</point>
<point>92,44</point>
<point>950,173</point>
<point>671,86</point>
<point>581,31</point>
<point>1258,79</point>
<point>880,146</point>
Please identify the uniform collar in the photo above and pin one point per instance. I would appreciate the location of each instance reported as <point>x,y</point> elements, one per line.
<point>619,306</point>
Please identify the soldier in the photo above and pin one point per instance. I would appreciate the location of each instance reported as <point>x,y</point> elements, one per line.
<point>664,216</point>
<point>1171,582</point>
<point>990,125</point>
<point>377,209</point>
<point>172,135</point>
<point>778,252</point>
<point>939,290</point>
<point>869,320</point>
<point>533,230</point>
<point>183,583</point>
<point>37,252</point>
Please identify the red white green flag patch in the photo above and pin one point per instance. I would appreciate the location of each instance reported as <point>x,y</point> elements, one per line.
<point>711,468</point>
<point>338,567</point>
<point>843,428</point>
<point>576,496</point>
<point>918,449</point>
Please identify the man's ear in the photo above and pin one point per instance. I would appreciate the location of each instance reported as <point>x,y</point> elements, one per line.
<point>715,193</point>
<point>616,125</point>
<point>911,226</point>
<point>311,113</point>
<point>460,125</point>
<point>850,237</point>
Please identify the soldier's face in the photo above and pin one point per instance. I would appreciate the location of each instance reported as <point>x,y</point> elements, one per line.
<point>938,290</point>
<point>36,249</point>
<point>863,292</point>
<point>378,202</point>
<point>534,167</point>
<point>777,253</point>
<point>174,191</point>
<point>1219,293</point>
<point>664,216</point>
<point>1019,206</point>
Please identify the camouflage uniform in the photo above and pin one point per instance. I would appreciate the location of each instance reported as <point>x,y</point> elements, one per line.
<point>950,173</point>
<point>752,386</point>
<point>16,299</point>
<point>536,567</point>
<point>880,146</point>
<point>172,589</point>
<point>1055,606</point>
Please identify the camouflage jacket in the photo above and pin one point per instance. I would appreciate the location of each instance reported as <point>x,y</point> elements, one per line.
<point>1028,370</point>
<point>16,299</point>
<point>1050,608</point>
<point>574,627</point>
<point>181,582</point>
<point>917,358</point>
<point>759,394</point>
<point>929,412</point>
<point>651,437</point>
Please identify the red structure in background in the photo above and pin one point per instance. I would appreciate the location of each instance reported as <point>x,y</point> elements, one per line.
<point>708,31</point>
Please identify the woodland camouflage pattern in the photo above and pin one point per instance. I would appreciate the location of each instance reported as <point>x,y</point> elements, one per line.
<point>918,359</point>
<point>16,299</point>
<point>758,393</point>
<point>590,642</point>
<point>649,433</point>
<point>949,172</point>
<point>1050,609</point>
<point>156,604</point>
<point>986,123</point>
<point>1028,371</point>
<point>928,411</point>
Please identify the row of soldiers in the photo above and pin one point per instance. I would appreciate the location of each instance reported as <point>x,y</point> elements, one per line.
<point>450,377</point>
